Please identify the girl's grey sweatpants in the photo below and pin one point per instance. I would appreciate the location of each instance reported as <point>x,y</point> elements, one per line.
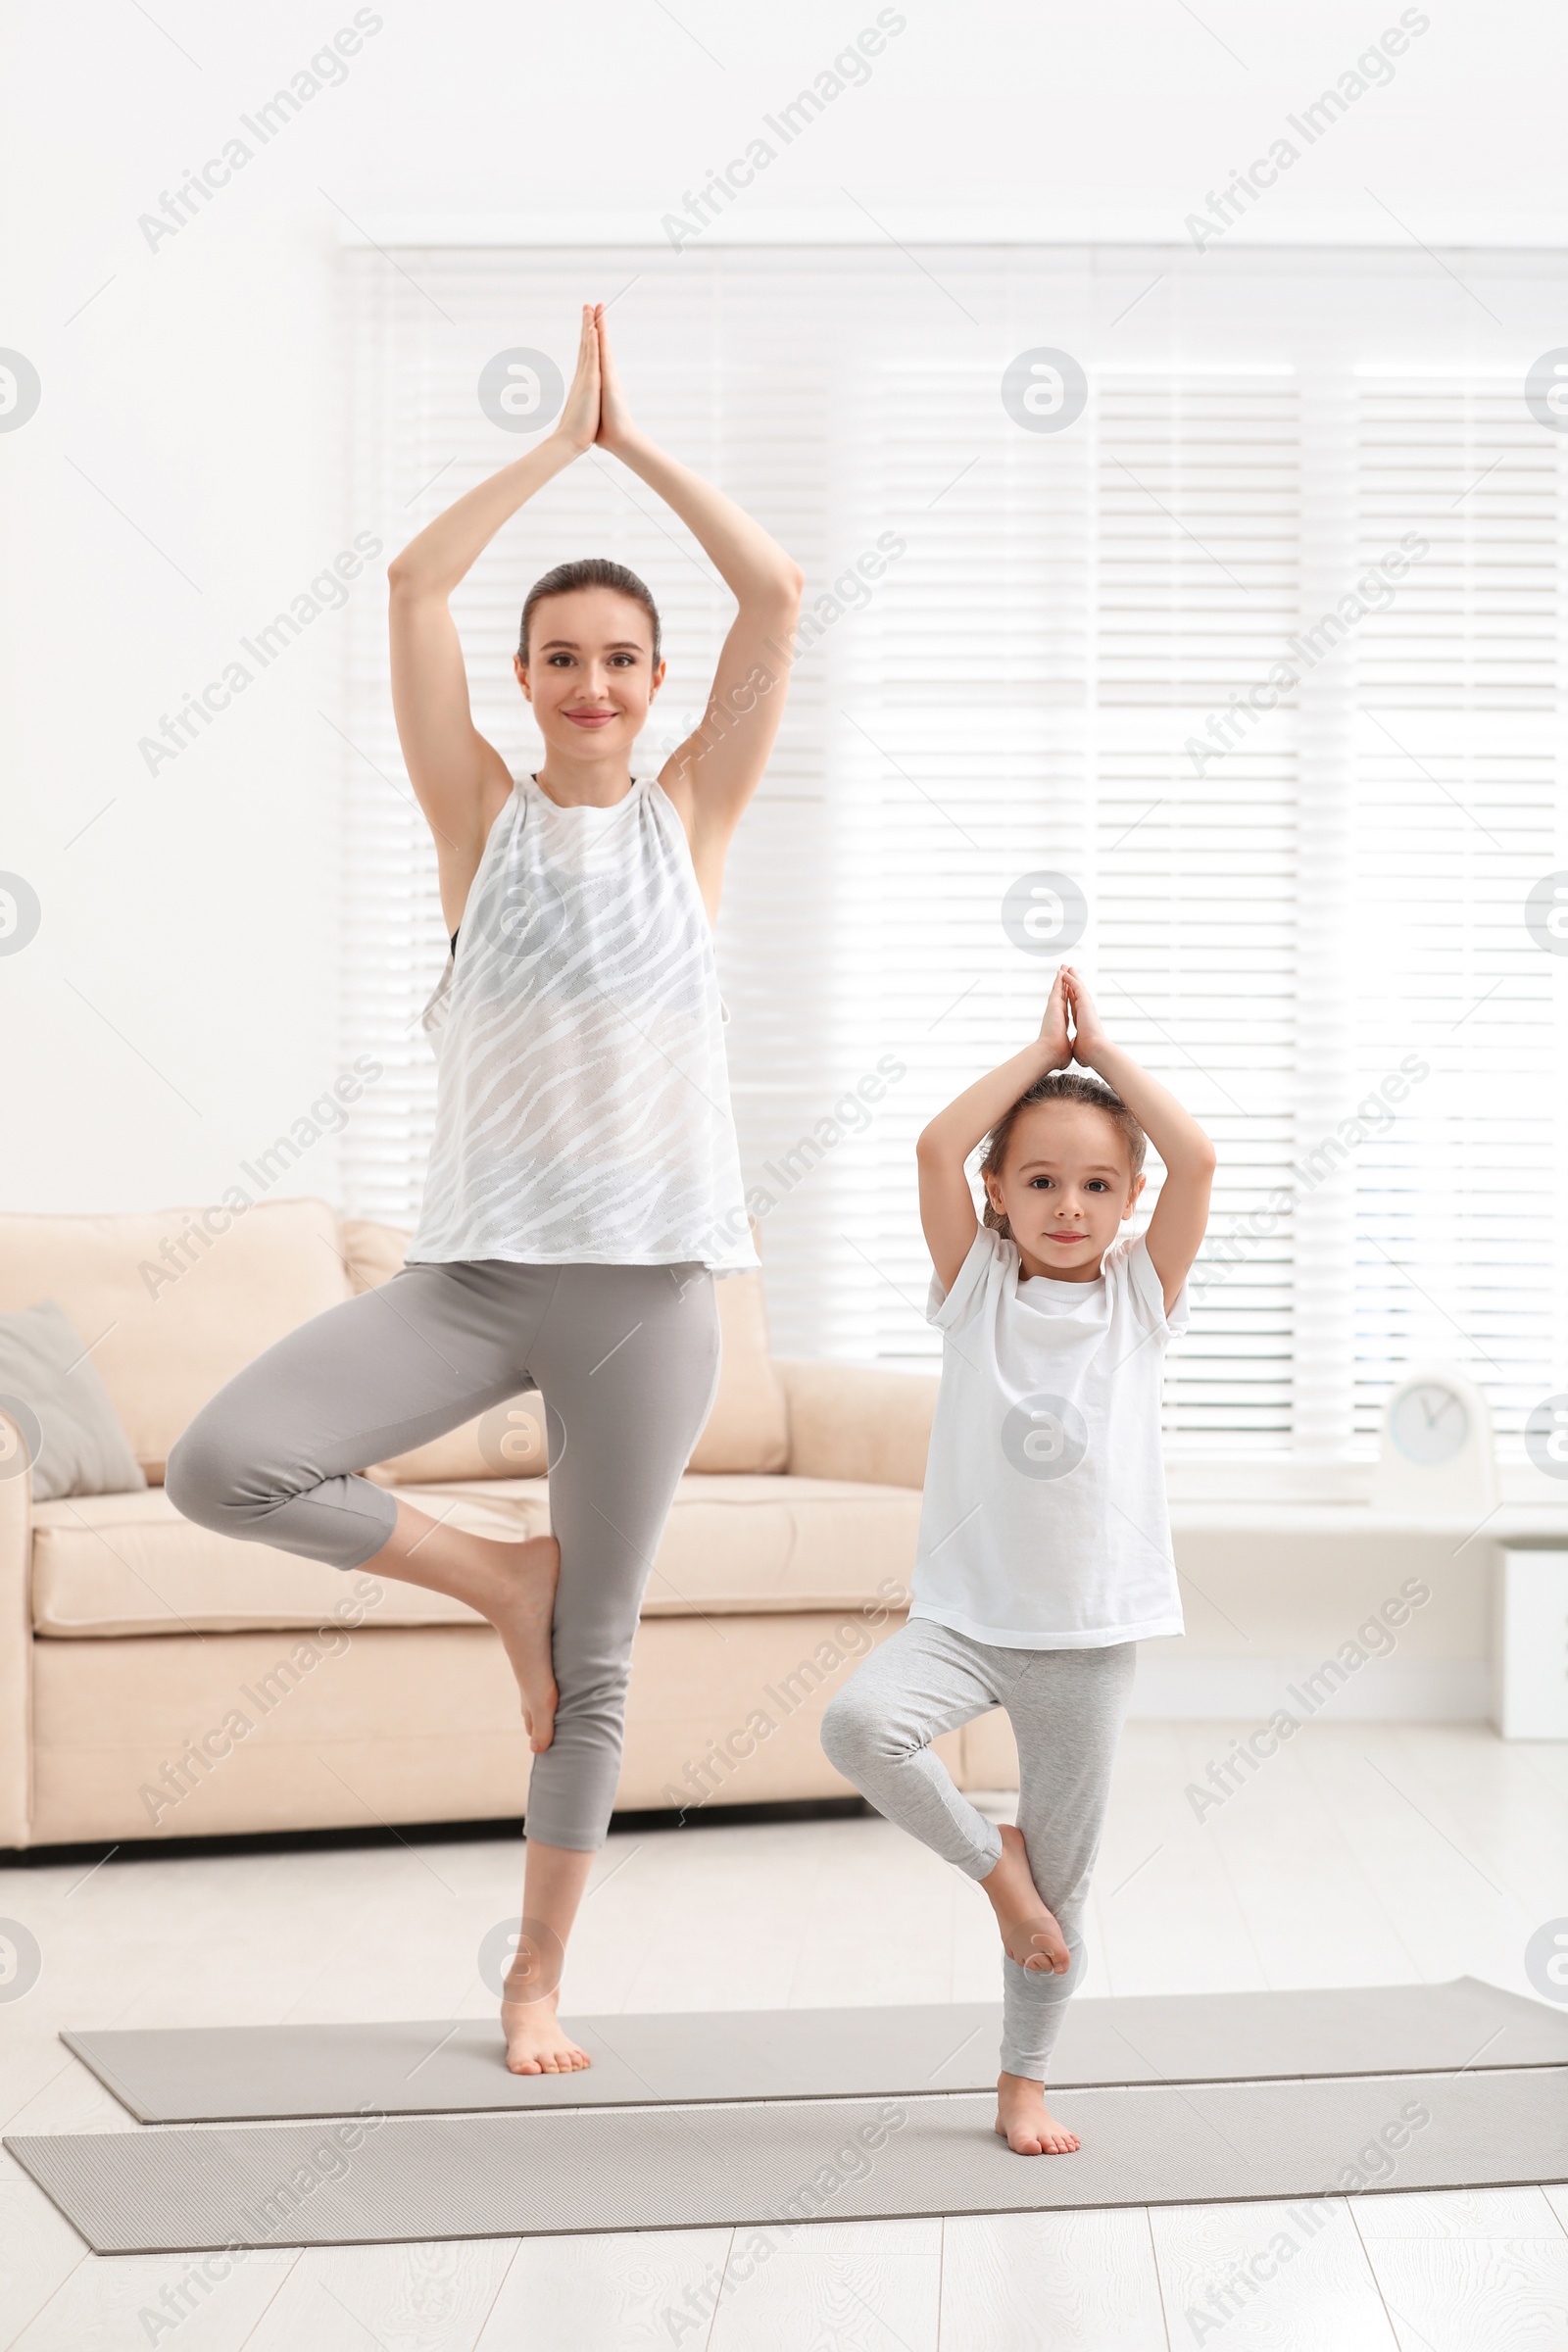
<point>627,1358</point>
<point>1066,1707</point>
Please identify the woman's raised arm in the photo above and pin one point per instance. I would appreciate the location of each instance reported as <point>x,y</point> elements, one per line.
<point>712,776</point>
<point>460,779</point>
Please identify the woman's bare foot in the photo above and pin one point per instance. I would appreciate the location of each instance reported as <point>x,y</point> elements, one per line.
<point>519,1603</point>
<point>1029,1931</point>
<point>536,2044</point>
<point>1026,2122</point>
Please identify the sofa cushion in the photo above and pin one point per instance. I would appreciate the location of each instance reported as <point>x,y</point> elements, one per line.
<point>749,1426</point>
<point>174,1302</point>
<point>107,1564</point>
<point>71,1441</point>
<point>735,1544</point>
<point>747,1430</point>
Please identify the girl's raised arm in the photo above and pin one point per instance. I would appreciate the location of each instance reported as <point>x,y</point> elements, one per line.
<point>947,1203</point>
<point>712,776</point>
<point>1181,1213</point>
<point>460,779</point>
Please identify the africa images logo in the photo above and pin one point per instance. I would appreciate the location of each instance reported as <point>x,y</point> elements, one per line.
<point>1044,1435</point>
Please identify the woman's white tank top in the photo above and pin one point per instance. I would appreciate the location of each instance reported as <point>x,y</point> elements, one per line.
<point>582,1092</point>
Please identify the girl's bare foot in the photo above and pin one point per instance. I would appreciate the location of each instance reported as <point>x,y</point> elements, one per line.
<point>520,1603</point>
<point>1029,1931</point>
<point>1026,2122</point>
<point>536,2044</point>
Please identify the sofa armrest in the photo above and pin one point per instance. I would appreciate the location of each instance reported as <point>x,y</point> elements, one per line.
<point>16,1638</point>
<point>857,1421</point>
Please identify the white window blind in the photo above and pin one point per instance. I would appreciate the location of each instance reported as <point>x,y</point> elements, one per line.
<point>1323,899</point>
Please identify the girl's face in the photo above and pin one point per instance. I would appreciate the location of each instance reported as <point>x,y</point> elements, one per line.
<point>1065,1186</point>
<point>590,674</point>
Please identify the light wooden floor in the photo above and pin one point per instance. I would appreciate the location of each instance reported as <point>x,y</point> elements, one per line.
<point>1362,1854</point>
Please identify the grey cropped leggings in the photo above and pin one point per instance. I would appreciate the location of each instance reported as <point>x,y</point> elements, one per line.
<point>1066,1707</point>
<point>627,1358</point>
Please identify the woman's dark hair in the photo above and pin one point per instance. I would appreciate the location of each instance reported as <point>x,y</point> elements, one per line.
<point>1058,1085</point>
<point>588,571</point>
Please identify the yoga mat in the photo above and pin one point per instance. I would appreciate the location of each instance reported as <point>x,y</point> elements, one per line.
<point>773,2164</point>
<point>218,2074</point>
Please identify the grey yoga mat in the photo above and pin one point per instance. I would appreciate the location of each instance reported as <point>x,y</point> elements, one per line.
<point>775,2164</point>
<point>218,2074</point>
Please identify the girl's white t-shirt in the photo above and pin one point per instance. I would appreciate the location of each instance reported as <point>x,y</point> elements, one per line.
<point>1044,1524</point>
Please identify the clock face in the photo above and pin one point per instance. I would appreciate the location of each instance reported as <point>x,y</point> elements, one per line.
<point>1429,1423</point>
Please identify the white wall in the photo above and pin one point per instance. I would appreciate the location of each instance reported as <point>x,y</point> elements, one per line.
<point>183,477</point>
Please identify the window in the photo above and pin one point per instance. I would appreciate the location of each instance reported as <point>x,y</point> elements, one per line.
<point>1264,653</point>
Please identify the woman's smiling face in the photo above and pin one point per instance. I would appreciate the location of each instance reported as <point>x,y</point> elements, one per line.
<point>590,673</point>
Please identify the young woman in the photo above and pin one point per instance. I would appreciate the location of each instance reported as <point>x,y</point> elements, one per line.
<point>584,1185</point>
<point>1044,1553</point>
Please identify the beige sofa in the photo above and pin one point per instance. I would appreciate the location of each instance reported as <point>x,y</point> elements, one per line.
<point>158,1681</point>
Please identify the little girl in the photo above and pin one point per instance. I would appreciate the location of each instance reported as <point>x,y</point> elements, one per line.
<point>1044,1552</point>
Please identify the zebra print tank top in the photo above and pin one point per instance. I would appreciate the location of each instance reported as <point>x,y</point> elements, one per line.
<point>582,1092</point>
